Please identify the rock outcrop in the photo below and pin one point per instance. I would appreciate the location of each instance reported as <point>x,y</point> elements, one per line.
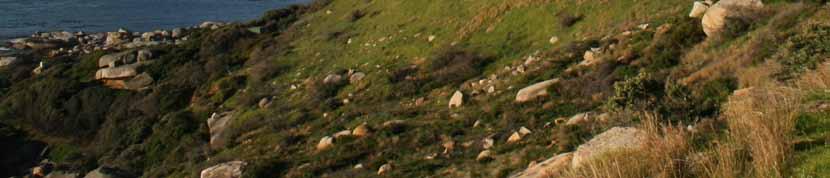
<point>105,172</point>
<point>231,169</point>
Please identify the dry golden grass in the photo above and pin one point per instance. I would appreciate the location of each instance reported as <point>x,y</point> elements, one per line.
<point>818,79</point>
<point>666,149</point>
<point>762,120</point>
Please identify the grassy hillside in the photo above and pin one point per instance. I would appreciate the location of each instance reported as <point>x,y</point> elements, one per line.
<point>656,67</point>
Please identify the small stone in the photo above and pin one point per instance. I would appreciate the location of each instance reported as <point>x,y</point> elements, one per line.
<point>384,169</point>
<point>484,155</point>
<point>457,99</point>
<point>361,130</point>
<point>553,40</point>
<point>524,131</point>
<point>431,38</point>
<point>477,123</point>
<point>325,143</point>
<point>358,166</point>
<point>535,91</point>
<point>516,137</point>
<point>342,133</point>
<point>487,143</point>
<point>264,102</point>
<point>356,77</point>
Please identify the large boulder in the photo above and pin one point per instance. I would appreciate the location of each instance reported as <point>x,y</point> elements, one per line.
<point>114,60</point>
<point>218,125</point>
<point>534,91</point>
<point>714,21</point>
<point>615,139</point>
<point>231,169</point>
<point>122,72</point>
<point>552,167</point>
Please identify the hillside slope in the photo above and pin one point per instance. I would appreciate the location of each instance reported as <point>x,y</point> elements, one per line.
<point>357,88</point>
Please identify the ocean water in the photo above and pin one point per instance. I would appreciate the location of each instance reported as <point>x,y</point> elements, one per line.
<point>24,17</point>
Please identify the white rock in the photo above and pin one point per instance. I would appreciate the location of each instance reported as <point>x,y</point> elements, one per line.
<point>484,155</point>
<point>553,40</point>
<point>325,143</point>
<point>384,169</point>
<point>487,143</point>
<point>534,91</point>
<point>524,131</point>
<point>698,9</point>
<point>431,38</point>
<point>342,133</point>
<point>457,99</point>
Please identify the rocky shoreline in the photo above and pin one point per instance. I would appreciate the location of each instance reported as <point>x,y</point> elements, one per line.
<point>63,43</point>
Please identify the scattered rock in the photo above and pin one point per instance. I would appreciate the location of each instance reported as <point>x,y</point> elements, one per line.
<point>231,169</point>
<point>357,77</point>
<point>342,134</point>
<point>590,58</point>
<point>332,79</point>
<point>615,139</point>
<point>39,69</point>
<point>534,91</point>
<point>552,167</point>
<point>358,166</point>
<point>524,131</point>
<point>325,143</point>
<point>698,9</point>
<point>431,38</point>
<point>457,99</point>
<point>264,102</point>
<point>516,137</point>
<point>484,155</point>
<point>487,143</point>
<point>218,124</point>
<point>362,130</point>
<point>553,40</point>
<point>714,20</point>
<point>384,169</point>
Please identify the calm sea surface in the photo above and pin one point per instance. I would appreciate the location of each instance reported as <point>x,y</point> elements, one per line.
<point>24,17</point>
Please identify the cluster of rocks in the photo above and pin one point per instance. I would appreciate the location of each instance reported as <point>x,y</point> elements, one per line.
<point>714,16</point>
<point>74,43</point>
<point>121,70</point>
